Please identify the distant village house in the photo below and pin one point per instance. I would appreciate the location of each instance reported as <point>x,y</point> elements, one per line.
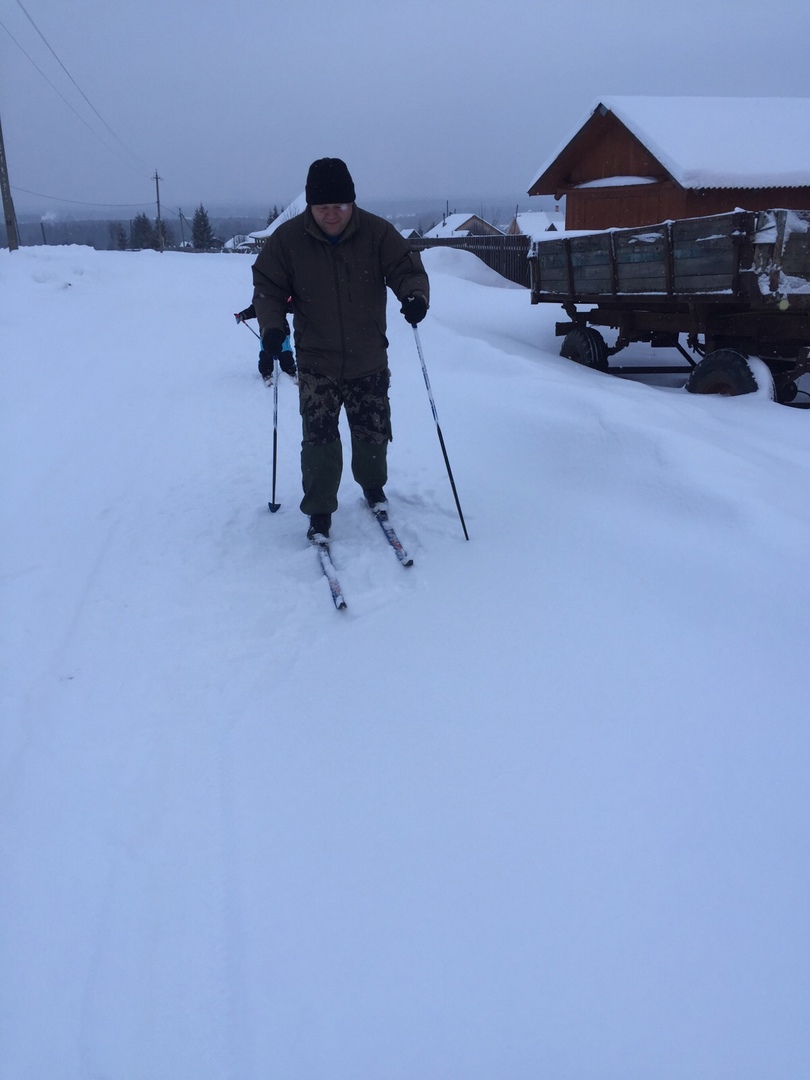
<point>462,225</point>
<point>535,223</point>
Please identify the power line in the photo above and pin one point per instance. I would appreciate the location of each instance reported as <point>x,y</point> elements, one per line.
<point>103,206</point>
<point>86,98</point>
<point>56,198</point>
<point>56,90</point>
<point>75,202</point>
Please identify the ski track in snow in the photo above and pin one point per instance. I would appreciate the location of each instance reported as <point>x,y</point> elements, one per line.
<point>549,780</point>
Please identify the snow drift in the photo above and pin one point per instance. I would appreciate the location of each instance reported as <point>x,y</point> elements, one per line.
<point>535,807</point>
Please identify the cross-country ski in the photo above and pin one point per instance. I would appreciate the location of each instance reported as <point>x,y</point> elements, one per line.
<point>329,572</point>
<point>391,536</point>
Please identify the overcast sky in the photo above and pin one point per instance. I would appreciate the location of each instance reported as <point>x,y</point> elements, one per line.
<point>230,102</point>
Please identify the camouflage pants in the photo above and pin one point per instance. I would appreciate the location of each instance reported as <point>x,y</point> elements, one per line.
<point>368,413</point>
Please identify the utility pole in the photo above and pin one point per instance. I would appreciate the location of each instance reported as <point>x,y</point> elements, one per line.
<point>190,225</point>
<point>157,180</point>
<point>8,202</point>
<point>182,233</point>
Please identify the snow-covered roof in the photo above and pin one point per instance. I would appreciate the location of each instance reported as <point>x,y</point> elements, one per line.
<point>451,226</point>
<point>454,225</point>
<point>718,142</point>
<point>297,206</point>
<point>538,222</point>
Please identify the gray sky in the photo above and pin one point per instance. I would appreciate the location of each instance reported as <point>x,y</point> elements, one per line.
<point>441,98</point>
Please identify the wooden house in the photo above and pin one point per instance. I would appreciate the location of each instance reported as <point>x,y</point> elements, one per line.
<point>462,225</point>
<point>641,160</point>
<point>535,223</point>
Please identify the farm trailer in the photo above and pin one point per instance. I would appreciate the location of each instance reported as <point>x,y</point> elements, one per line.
<point>734,285</point>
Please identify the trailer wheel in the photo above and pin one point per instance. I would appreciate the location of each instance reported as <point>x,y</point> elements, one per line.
<point>729,373</point>
<point>584,345</point>
<point>786,391</point>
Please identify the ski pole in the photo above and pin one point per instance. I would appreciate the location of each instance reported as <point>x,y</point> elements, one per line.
<point>439,429</point>
<point>273,504</point>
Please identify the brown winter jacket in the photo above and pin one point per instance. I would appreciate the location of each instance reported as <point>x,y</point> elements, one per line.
<point>338,290</point>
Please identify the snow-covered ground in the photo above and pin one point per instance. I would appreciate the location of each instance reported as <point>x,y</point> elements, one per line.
<point>536,807</point>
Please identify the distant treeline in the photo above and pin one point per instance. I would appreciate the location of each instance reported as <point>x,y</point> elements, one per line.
<point>111,234</point>
<point>106,235</point>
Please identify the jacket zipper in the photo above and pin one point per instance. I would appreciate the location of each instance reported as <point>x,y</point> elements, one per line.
<point>340,314</point>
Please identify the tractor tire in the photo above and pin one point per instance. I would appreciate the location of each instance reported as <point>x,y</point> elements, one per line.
<point>586,346</point>
<point>727,372</point>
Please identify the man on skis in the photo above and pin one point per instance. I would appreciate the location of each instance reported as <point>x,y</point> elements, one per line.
<point>335,261</point>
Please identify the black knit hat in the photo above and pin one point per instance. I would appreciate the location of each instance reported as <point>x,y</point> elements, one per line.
<point>329,181</point>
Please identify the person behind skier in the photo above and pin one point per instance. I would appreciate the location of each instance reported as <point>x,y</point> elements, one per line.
<point>335,261</point>
<point>286,359</point>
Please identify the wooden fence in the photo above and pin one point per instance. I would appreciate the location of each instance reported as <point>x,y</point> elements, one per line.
<point>507,255</point>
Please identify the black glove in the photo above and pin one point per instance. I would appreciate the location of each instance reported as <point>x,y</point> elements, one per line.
<point>273,340</point>
<point>248,313</point>
<point>414,308</point>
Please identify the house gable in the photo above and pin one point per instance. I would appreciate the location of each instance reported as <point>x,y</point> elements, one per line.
<point>637,161</point>
<point>602,148</point>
